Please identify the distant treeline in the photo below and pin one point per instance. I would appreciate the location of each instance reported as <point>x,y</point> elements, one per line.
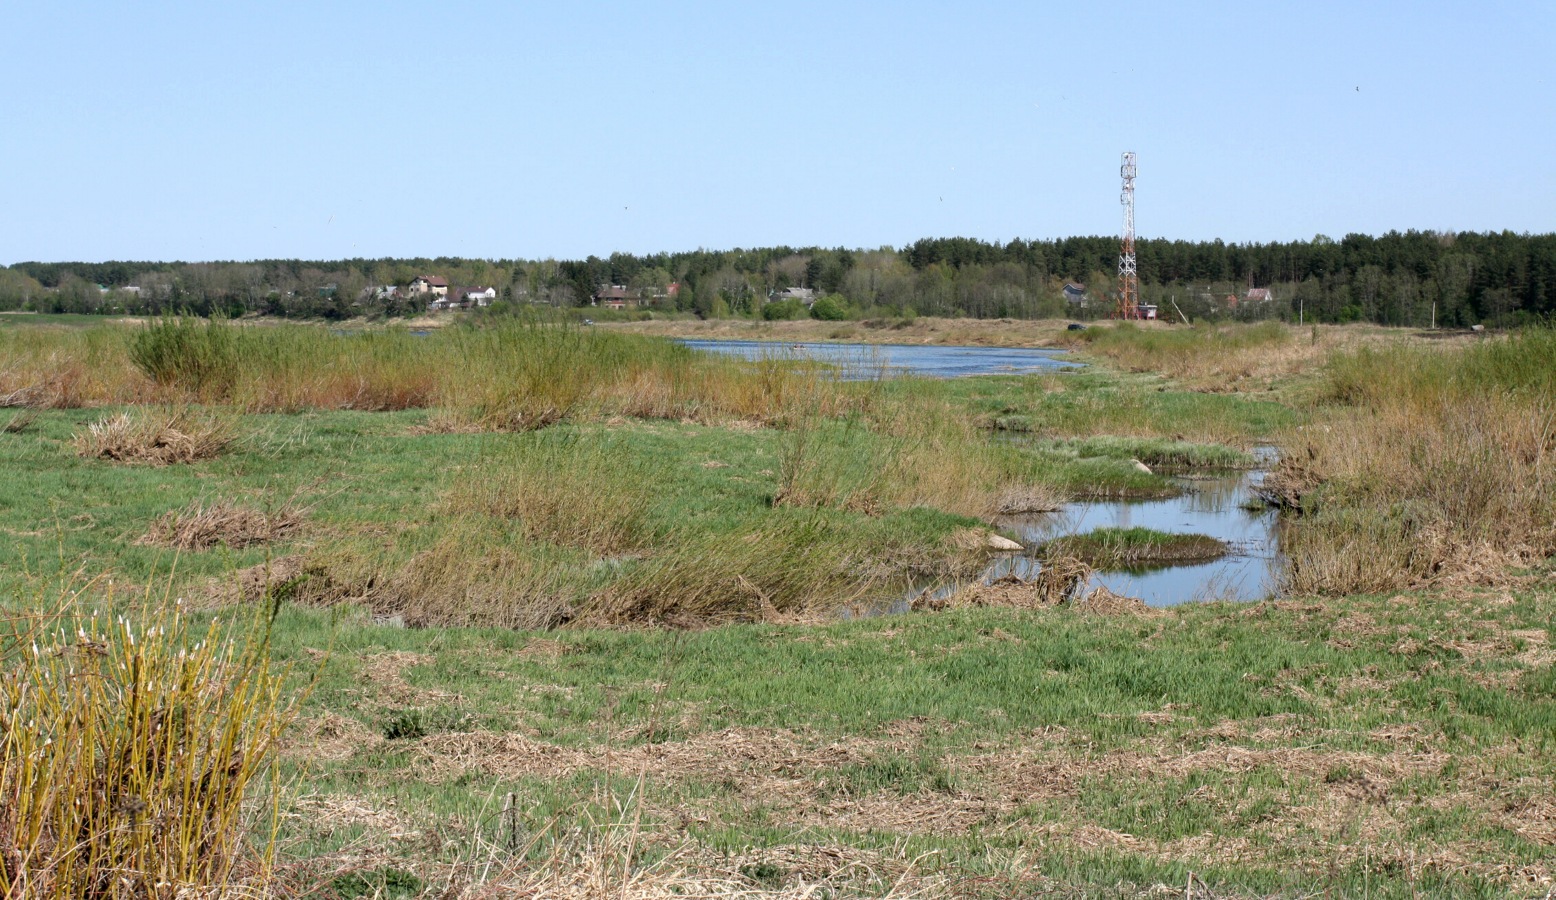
<point>1396,279</point>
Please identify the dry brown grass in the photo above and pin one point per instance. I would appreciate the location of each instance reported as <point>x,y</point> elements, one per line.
<point>1422,490</point>
<point>203,525</point>
<point>1060,584</point>
<point>1224,358</point>
<point>157,436</point>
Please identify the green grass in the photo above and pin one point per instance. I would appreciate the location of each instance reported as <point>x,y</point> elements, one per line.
<point>938,711</point>
<point>1111,548</point>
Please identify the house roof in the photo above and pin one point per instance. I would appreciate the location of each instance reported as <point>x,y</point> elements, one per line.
<point>434,280</point>
<point>1258,294</point>
<point>613,292</point>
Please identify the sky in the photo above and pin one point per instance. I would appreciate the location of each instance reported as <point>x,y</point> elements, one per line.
<point>330,130</point>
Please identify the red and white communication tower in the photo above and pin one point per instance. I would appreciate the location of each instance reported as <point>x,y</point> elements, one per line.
<point>1128,278</point>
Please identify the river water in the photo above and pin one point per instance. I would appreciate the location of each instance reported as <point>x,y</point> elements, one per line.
<point>865,361</point>
<point>1211,505</point>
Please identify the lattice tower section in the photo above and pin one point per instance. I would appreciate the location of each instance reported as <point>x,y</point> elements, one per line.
<point>1128,277</point>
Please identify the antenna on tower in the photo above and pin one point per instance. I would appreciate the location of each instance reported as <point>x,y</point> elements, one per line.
<point>1128,278</point>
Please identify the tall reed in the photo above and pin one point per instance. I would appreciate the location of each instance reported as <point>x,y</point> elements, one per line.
<point>129,746</point>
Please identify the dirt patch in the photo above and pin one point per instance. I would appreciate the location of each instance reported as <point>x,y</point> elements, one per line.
<point>1055,587</point>
<point>543,648</point>
<point>385,672</point>
<point>330,737</point>
<point>293,577</point>
<point>755,762</point>
<point>332,813</point>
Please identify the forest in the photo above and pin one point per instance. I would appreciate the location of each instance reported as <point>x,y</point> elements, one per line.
<point>1413,279</point>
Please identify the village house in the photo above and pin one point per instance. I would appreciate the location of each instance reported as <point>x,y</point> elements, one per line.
<point>480,296</point>
<point>1074,294</point>
<point>806,296</point>
<point>463,298</point>
<point>614,296</point>
<point>429,284</point>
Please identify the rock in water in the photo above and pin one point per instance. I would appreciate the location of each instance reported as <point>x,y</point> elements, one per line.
<point>996,542</point>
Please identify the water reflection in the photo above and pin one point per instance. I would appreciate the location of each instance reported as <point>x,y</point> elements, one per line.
<point>1211,505</point>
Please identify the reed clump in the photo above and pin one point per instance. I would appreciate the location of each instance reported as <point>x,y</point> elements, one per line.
<point>511,374</point>
<point>127,750</point>
<point>158,436</point>
<point>1431,467</point>
<point>905,455</point>
<point>793,569</point>
<point>204,525</point>
<point>63,368</point>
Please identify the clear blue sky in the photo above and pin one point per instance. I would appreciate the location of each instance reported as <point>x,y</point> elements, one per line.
<point>244,130</point>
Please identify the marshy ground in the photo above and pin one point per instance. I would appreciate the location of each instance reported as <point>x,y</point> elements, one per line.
<point>567,604</point>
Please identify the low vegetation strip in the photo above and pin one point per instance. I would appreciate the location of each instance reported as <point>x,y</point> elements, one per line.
<point>1113,548</point>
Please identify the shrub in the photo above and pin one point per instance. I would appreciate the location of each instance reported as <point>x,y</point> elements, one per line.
<point>830,308</point>
<point>187,353</point>
<point>784,309</point>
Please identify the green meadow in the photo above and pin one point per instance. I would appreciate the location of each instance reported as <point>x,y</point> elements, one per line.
<point>552,611</point>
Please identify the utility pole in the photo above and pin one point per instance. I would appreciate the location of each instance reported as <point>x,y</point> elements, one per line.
<point>1128,278</point>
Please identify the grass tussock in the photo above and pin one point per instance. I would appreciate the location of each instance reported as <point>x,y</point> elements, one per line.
<point>1114,548</point>
<point>486,578</point>
<point>1432,467</point>
<point>204,525</point>
<point>127,753</point>
<point>794,569</point>
<point>582,489</point>
<point>157,436</point>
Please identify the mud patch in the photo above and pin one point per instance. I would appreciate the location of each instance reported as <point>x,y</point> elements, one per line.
<point>1056,586</point>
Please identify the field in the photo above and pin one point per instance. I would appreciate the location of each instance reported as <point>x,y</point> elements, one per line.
<point>557,611</point>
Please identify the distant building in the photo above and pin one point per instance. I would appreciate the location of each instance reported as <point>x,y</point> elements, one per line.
<point>429,284</point>
<point>614,296</point>
<point>1074,294</point>
<point>1258,295</point>
<point>480,296</point>
<point>806,296</point>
